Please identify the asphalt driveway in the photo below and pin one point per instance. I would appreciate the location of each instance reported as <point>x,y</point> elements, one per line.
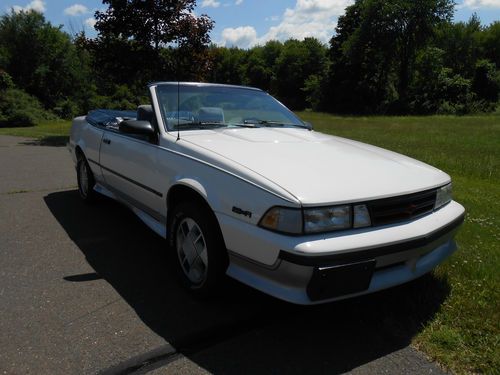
<point>88,289</point>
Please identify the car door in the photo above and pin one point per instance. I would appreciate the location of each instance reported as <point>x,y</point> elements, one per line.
<point>129,168</point>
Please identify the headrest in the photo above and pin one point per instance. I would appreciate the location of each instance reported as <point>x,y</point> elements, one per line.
<point>211,114</point>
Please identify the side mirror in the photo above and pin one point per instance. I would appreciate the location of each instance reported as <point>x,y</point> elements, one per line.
<point>136,127</point>
<point>308,125</point>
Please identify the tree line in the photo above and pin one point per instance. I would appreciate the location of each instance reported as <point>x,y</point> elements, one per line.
<point>386,57</point>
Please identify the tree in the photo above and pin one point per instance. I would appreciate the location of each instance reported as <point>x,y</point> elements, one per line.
<point>260,66</point>
<point>436,88</point>
<point>415,22</point>
<point>164,33</point>
<point>489,40</point>
<point>227,65</point>
<point>486,82</point>
<point>375,46</point>
<point>257,72</point>
<point>297,62</point>
<point>154,23</point>
<point>116,61</point>
<point>40,58</point>
<point>460,42</point>
<point>362,57</point>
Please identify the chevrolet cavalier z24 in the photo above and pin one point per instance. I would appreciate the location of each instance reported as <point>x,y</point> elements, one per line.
<point>240,186</point>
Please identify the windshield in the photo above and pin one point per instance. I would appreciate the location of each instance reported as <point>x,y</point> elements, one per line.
<point>199,107</point>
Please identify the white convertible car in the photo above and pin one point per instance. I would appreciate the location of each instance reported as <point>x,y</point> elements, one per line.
<point>240,186</point>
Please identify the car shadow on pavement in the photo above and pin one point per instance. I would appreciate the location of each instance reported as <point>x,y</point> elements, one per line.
<point>242,331</point>
<point>48,140</point>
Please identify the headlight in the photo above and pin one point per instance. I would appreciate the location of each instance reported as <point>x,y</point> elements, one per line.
<point>315,220</point>
<point>443,196</point>
<point>282,219</point>
<point>327,219</point>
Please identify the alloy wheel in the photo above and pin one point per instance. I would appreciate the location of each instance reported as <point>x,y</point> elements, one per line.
<point>192,251</point>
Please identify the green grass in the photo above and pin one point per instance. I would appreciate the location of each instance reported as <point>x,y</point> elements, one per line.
<point>46,132</point>
<point>464,335</point>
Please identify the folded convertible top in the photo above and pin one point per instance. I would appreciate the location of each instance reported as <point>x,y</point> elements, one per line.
<point>109,117</point>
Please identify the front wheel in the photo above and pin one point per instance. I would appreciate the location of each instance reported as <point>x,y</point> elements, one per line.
<point>198,248</point>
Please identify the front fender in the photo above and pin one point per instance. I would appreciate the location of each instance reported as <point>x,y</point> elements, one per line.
<point>193,184</point>
<point>229,195</point>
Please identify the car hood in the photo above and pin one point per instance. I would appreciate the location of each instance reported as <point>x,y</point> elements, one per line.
<point>317,168</point>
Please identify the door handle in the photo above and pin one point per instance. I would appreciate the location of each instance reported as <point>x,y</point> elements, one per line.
<point>107,141</point>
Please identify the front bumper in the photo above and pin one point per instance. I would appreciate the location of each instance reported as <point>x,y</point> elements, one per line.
<point>318,277</point>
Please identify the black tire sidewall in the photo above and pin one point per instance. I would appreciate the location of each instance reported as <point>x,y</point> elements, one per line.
<point>90,196</point>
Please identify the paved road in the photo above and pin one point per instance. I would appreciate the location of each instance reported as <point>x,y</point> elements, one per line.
<point>88,290</point>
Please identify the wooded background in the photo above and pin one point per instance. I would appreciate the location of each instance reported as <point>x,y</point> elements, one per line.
<point>386,57</point>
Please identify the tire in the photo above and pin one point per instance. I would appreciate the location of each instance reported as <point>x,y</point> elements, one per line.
<point>86,181</point>
<point>197,249</point>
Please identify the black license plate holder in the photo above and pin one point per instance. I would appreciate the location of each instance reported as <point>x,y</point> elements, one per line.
<point>336,281</point>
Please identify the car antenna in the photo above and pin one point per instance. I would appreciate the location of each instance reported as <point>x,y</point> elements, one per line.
<point>178,107</point>
<point>178,89</point>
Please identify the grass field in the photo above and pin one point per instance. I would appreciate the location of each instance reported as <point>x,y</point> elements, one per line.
<point>464,334</point>
<point>45,130</point>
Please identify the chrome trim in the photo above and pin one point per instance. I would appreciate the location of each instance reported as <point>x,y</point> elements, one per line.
<point>147,188</point>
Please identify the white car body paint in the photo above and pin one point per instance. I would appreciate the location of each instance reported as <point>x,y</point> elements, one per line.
<point>340,168</point>
<point>258,168</point>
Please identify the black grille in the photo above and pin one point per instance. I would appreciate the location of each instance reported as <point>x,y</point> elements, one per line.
<point>405,207</point>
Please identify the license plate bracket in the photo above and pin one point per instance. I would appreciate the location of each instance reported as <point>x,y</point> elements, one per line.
<point>336,281</point>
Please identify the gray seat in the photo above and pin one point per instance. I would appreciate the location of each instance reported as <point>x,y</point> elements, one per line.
<point>211,114</point>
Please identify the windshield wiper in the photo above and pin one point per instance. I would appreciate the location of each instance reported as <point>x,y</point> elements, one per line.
<point>271,123</point>
<point>245,125</point>
<point>199,125</point>
<point>263,122</point>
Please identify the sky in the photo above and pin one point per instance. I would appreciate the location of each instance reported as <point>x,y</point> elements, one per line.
<point>242,23</point>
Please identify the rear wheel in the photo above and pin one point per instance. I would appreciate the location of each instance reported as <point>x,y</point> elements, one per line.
<point>198,248</point>
<point>86,181</point>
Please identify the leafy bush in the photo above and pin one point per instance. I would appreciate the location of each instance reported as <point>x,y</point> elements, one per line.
<point>66,109</point>
<point>41,58</point>
<point>486,81</point>
<point>122,98</point>
<point>18,108</point>
<point>312,87</point>
<point>5,80</point>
